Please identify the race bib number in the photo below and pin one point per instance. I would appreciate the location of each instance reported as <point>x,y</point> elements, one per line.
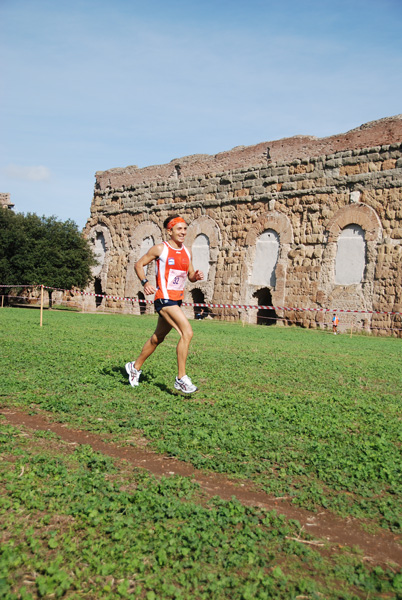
<point>176,280</point>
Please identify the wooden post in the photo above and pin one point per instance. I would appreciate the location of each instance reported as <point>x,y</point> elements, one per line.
<point>244,316</point>
<point>2,301</point>
<point>41,305</point>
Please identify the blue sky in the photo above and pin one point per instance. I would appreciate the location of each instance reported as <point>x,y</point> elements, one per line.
<point>87,85</point>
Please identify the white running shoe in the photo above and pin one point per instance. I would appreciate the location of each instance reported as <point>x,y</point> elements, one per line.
<point>185,385</point>
<point>133,374</point>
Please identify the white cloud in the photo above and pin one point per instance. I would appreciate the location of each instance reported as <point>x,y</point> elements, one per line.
<point>37,173</point>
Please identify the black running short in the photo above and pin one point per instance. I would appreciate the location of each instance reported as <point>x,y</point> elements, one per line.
<point>162,302</point>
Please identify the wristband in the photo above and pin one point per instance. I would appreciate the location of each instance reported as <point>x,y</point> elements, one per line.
<point>144,281</point>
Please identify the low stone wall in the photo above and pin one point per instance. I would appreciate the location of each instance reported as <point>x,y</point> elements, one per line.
<point>304,190</point>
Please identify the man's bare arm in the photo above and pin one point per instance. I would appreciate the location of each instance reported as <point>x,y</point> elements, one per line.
<point>195,275</point>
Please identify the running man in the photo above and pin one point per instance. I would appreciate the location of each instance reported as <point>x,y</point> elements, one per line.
<point>335,322</point>
<point>173,266</point>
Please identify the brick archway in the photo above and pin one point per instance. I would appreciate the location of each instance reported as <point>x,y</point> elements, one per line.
<point>101,226</point>
<point>353,297</point>
<point>279,223</point>
<point>208,227</point>
<point>133,285</point>
<point>359,214</point>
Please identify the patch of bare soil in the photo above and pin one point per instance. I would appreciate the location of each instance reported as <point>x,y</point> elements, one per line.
<point>379,548</point>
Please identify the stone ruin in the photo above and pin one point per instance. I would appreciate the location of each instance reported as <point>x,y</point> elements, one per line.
<point>304,223</point>
<point>5,201</point>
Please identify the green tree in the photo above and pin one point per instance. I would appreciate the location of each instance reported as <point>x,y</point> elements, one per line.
<point>43,250</point>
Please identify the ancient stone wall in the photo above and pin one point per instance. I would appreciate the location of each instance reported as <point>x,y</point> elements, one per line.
<point>309,203</point>
<point>5,201</point>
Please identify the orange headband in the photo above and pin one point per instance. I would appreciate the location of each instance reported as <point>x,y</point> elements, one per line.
<point>174,222</point>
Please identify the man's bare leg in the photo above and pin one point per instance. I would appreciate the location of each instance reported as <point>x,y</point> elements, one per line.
<point>175,318</point>
<point>161,331</point>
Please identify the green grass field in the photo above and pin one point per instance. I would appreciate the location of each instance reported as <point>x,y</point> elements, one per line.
<point>302,414</point>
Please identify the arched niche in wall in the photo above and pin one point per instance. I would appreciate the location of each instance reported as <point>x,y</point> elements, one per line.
<point>100,239</point>
<point>265,259</point>
<point>144,236</point>
<point>204,239</point>
<point>99,251</point>
<point>349,260</point>
<point>146,245</point>
<point>271,234</point>
<point>197,297</point>
<point>201,253</point>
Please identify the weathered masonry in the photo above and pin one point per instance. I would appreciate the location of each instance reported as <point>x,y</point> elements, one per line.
<point>294,223</point>
<point>5,201</point>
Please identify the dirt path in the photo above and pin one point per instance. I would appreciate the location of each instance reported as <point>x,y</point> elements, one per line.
<point>383,547</point>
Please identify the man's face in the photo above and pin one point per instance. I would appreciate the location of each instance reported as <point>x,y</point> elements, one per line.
<point>179,232</point>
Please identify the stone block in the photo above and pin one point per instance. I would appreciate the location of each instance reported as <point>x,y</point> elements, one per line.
<point>388,164</point>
